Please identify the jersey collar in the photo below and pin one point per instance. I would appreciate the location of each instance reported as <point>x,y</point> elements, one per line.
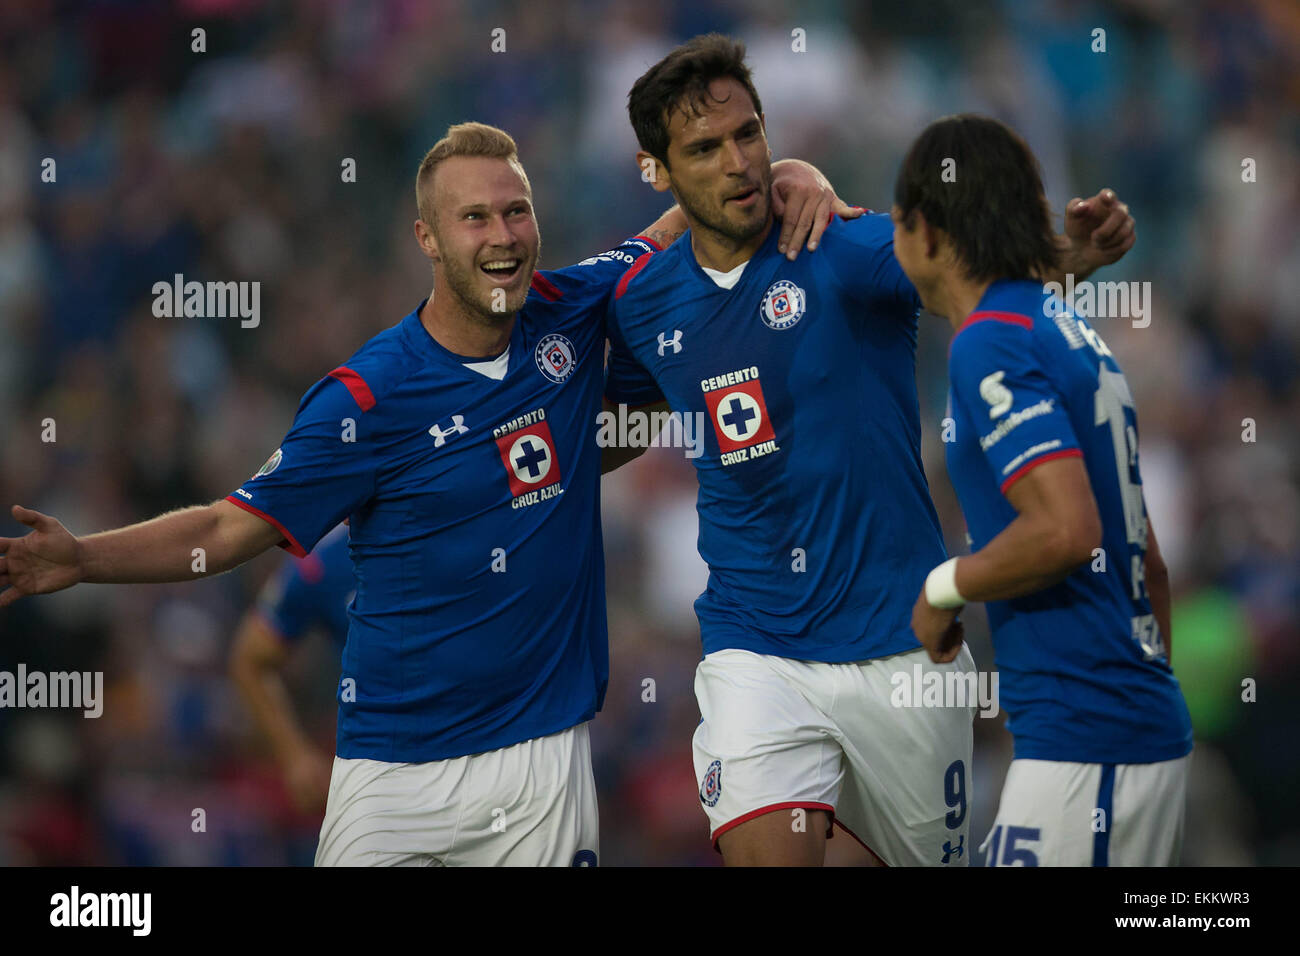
<point>424,344</point>
<point>767,248</point>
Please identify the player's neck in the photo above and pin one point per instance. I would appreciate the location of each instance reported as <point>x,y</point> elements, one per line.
<point>715,251</point>
<point>957,297</point>
<point>453,326</point>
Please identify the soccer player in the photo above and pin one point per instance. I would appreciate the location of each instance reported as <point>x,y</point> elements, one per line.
<point>305,594</point>
<point>462,444</point>
<point>813,505</point>
<point>1045,464</point>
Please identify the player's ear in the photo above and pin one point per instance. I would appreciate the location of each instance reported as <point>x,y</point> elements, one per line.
<point>653,171</point>
<point>428,242</point>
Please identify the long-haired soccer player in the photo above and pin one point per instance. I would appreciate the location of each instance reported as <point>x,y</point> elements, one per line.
<point>1045,464</point>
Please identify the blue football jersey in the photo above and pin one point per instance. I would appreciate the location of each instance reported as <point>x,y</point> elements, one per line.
<point>1084,676</point>
<point>813,504</point>
<point>312,592</point>
<point>479,615</point>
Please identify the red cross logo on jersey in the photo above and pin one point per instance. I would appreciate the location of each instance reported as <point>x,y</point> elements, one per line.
<point>739,416</point>
<point>529,457</point>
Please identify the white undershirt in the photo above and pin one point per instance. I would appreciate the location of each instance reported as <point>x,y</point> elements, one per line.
<point>726,280</point>
<point>492,368</point>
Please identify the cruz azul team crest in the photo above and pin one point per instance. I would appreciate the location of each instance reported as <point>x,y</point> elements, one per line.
<point>739,414</point>
<point>783,305</point>
<point>528,452</point>
<point>556,357</point>
<point>711,789</point>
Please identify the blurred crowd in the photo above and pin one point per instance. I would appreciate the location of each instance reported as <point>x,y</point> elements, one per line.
<point>226,164</point>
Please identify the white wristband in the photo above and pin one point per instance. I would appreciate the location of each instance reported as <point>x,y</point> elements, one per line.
<point>941,586</point>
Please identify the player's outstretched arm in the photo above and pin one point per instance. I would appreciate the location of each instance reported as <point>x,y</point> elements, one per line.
<point>1098,231</point>
<point>50,558</point>
<point>258,655</point>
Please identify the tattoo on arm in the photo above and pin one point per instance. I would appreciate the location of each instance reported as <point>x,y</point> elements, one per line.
<point>664,237</point>
<point>668,228</point>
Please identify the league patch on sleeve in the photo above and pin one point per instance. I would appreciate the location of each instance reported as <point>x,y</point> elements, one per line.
<point>271,464</point>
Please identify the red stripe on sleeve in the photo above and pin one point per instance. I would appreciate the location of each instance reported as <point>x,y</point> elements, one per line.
<point>651,241</point>
<point>632,270</point>
<point>356,385</point>
<point>544,287</point>
<point>1031,465</point>
<point>290,543</point>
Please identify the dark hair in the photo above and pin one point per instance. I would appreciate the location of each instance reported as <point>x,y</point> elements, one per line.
<point>995,211</point>
<point>681,81</point>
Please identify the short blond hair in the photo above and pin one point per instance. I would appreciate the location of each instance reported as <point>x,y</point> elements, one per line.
<point>463,139</point>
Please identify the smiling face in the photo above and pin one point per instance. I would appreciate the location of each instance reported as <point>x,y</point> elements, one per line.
<point>719,165</point>
<point>483,240</point>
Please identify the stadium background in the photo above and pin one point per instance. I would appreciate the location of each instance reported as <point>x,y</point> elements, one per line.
<point>226,165</point>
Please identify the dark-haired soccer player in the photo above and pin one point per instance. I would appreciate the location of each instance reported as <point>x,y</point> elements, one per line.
<point>305,594</point>
<point>462,444</point>
<point>1045,464</point>
<point>814,508</point>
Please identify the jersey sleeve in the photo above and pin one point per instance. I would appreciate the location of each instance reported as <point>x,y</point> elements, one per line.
<point>862,258</point>
<point>323,471</point>
<point>594,277</point>
<point>627,382</point>
<point>1003,390</point>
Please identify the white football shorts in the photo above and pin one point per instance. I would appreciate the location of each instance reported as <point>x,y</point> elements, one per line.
<point>1055,813</point>
<point>531,804</point>
<point>780,735</point>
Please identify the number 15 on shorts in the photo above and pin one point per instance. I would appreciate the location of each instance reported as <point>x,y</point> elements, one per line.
<point>1018,846</point>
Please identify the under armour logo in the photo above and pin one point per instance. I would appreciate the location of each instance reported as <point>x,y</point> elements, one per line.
<point>949,850</point>
<point>675,342</point>
<point>457,428</point>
